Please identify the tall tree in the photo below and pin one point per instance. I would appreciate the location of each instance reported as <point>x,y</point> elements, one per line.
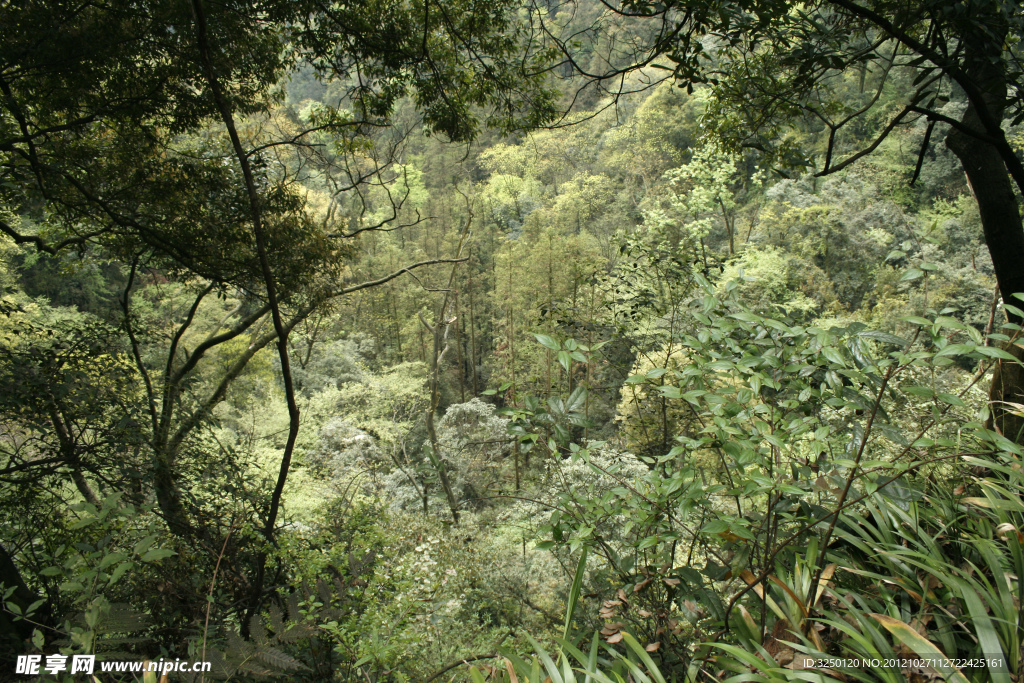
<point>149,132</point>
<point>776,66</point>
<point>780,71</point>
<point>954,64</point>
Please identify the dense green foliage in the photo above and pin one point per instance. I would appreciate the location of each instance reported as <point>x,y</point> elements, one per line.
<point>391,341</point>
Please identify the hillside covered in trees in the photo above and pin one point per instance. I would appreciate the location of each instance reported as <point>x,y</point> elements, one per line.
<point>447,340</point>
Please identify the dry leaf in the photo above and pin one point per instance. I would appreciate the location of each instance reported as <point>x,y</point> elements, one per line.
<point>1004,530</point>
<point>653,647</point>
<point>512,678</point>
<point>609,629</point>
<point>751,580</point>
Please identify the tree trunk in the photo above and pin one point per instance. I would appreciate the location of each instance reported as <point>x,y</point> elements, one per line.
<point>1000,218</point>
<point>991,186</point>
<point>14,633</point>
<point>987,174</point>
<point>440,334</point>
<point>1006,395</point>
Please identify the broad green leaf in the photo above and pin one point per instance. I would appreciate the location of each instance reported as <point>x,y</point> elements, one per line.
<point>883,337</point>
<point>716,526</point>
<point>547,342</point>
<point>155,554</point>
<point>995,352</point>
<point>119,571</point>
<point>564,359</point>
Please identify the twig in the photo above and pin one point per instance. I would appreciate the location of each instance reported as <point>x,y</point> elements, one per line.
<point>467,660</point>
<point>209,597</point>
<point>849,480</point>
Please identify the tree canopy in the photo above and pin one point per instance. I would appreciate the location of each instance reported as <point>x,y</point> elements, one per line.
<point>448,340</point>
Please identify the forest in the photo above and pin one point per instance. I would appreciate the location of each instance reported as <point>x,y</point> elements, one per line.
<point>512,341</point>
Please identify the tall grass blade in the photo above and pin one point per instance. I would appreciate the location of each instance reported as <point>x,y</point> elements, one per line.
<point>574,592</point>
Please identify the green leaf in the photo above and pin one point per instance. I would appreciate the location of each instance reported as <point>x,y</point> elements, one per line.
<point>716,526</point>
<point>748,658</point>
<point>119,571</point>
<point>693,395</point>
<point>145,544</point>
<point>883,337</point>
<point>1013,309</point>
<point>564,359</point>
<point>995,352</point>
<point>544,657</point>
<point>84,522</point>
<point>577,399</point>
<point>741,531</point>
<point>988,638</point>
<point>574,592</point>
<point>833,356</point>
<point>911,274</point>
<point>640,652</point>
<point>156,554</point>
<point>111,559</point>
<point>547,342</point>
<point>956,350</point>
